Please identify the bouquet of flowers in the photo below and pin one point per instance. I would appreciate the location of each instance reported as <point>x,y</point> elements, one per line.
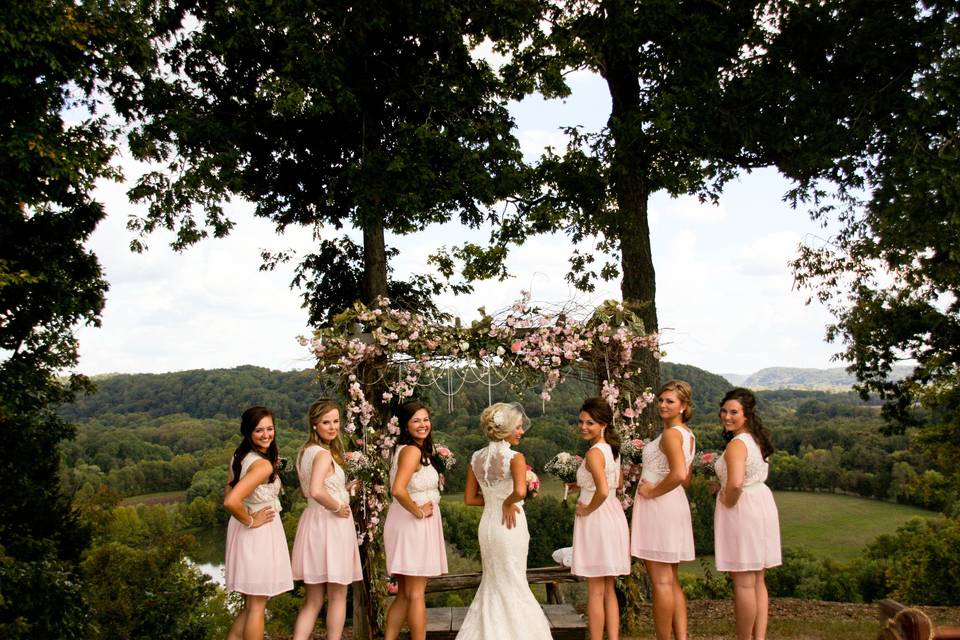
<point>631,450</point>
<point>359,467</point>
<point>564,466</point>
<point>703,463</point>
<point>533,483</point>
<point>443,458</point>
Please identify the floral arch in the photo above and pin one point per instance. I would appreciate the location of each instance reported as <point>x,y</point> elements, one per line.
<point>381,355</point>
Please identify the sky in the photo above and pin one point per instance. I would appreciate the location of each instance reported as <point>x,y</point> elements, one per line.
<point>725,293</point>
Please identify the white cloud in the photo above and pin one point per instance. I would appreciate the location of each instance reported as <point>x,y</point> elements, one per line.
<point>664,209</point>
<point>533,142</point>
<point>769,255</point>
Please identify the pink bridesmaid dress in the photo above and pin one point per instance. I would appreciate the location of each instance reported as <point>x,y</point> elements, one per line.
<point>257,560</point>
<point>414,546</point>
<point>661,528</point>
<point>325,549</point>
<point>601,540</point>
<point>747,536</point>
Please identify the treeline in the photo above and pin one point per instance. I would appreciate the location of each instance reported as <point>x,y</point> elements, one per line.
<point>187,424</point>
<point>211,393</point>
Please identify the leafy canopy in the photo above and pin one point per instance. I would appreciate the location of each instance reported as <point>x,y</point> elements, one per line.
<point>891,272</point>
<point>325,115</point>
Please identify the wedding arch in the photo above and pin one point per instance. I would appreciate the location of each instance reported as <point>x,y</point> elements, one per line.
<point>380,356</point>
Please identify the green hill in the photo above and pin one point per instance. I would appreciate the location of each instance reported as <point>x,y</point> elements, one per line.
<point>209,393</point>
<point>834,379</point>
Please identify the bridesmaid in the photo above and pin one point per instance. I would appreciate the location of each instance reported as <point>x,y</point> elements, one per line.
<point>601,540</point>
<point>413,531</point>
<point>746,524</point>
<point>661,527</point>
<point>325,553</point>
<point>257,560</point>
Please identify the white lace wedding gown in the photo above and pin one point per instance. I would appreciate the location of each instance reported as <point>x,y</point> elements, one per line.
<point>504,606</point>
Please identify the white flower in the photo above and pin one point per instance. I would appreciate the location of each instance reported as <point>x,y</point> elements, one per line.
<point>498,418</point>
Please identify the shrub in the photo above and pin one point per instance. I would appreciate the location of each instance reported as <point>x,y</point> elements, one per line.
<point>551,522</point>
<point>802,575</point>
<point>150,593</point>
<point>920,563</point>
<point>702,505</point>
<point>41,598</point>
<point>711,586</point>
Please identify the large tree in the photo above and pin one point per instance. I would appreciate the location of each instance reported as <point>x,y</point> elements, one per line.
<point>372,116</point>
<point>699,92</point>
<point>53,147</point>
<point>891,271</point>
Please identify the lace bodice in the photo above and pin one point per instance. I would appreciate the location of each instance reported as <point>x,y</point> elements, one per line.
<point>611,469</point>
<point>491,466</point>
<point>756,467</point>
<point>424,485</point>
<point>266,494</point>
<point>335,483</point>
<point>656,466</point>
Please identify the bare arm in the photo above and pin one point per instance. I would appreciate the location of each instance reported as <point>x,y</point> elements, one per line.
<point>407,464</point>
<point>686,480</point>
<point>672,446</point>
<point>736,459</point>
<point>323,469</point>
<point>258,473</point>
<point>596,465</point>
<point>472,495</point>
<point>518,471</point>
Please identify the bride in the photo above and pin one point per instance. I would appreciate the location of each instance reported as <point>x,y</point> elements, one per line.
<point>504,606</point>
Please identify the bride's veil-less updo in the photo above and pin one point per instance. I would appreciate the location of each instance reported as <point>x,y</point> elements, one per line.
<point>500,419</point>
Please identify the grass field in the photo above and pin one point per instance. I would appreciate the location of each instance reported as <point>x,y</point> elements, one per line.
<point>163,497</point>
<point>836,526</point>
<point>829,525</point>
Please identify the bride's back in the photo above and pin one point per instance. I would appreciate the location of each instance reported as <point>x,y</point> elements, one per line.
<point>491,466</point>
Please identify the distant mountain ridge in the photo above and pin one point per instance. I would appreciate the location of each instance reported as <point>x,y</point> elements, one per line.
<point>211,393</point>
<point>833,379</point>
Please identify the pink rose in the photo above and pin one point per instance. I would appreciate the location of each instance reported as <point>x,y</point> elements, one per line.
<point>515,347</point>
<point>628,413</point>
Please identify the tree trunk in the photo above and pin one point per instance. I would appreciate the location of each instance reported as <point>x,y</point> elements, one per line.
<point>631,188</point>
<point>374,260</point>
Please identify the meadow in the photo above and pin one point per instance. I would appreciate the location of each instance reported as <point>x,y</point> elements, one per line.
<point>829,525</point>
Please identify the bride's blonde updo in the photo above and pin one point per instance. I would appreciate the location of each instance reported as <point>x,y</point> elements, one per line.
<point>500,419</point>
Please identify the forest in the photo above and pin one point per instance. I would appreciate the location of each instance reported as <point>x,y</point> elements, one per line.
<point>147,467</point>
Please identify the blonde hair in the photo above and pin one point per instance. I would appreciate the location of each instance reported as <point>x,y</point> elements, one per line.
<point>684,394</point>
<point>500,419</point>
<point>317,410</point>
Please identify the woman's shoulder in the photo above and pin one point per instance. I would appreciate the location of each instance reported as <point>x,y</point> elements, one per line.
<point>407,452</point>
<point>250,458</point>
<point>603,448</point>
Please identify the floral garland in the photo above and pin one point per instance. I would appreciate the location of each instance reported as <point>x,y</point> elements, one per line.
<point>390,352</point>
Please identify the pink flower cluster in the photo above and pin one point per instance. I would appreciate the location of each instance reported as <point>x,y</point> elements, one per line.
<point>395,350</point>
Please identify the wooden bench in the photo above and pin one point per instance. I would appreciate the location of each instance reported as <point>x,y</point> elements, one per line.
<point>906,623</point>
<point>565,623</point>
<point>443,623</point>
